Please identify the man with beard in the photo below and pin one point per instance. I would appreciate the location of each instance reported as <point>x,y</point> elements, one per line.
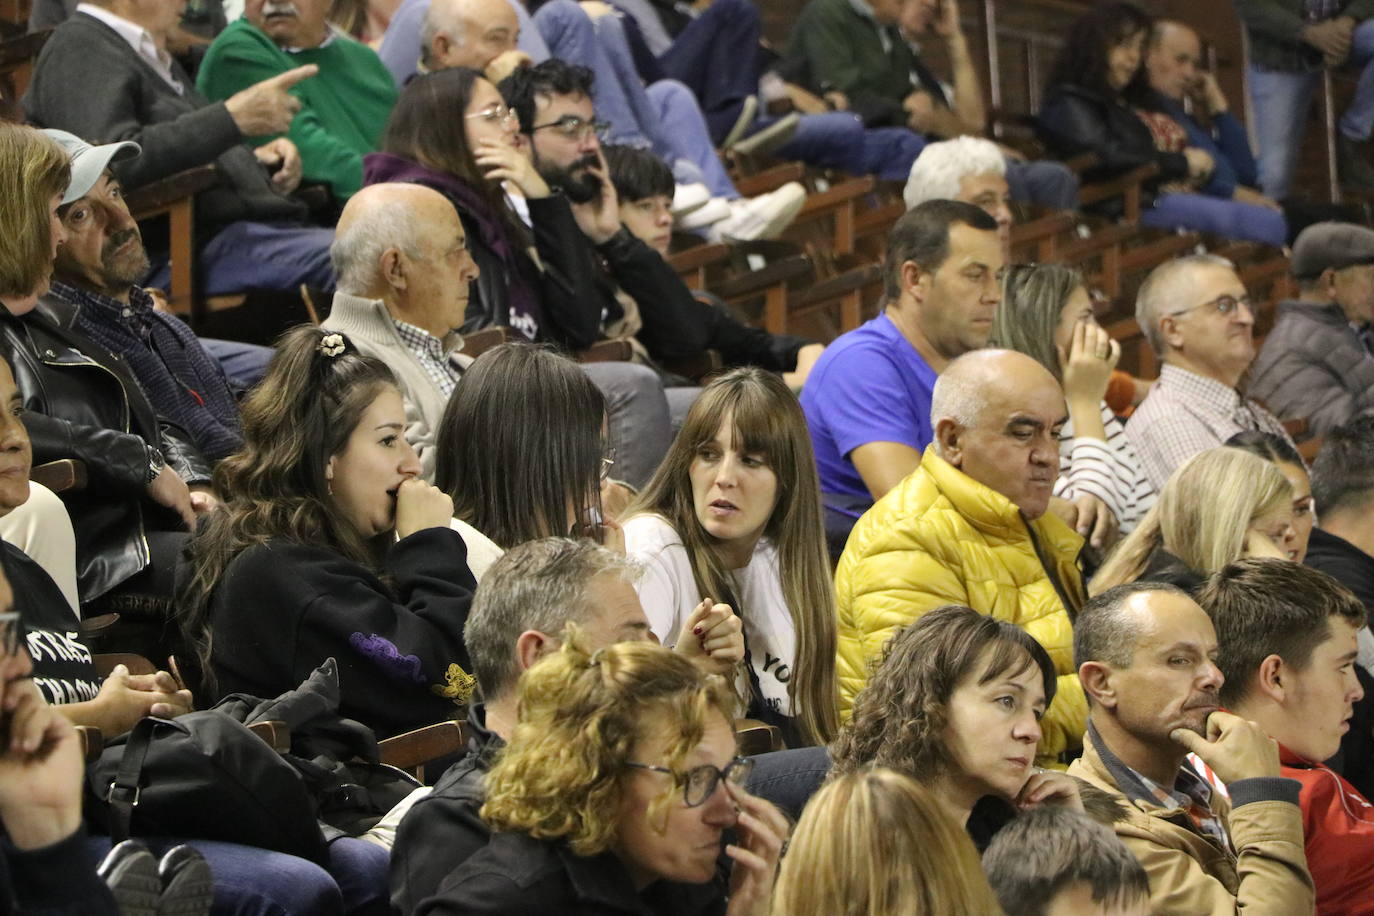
<point>343,109</point>
<point>95,292</point>
<point>1146,656</point>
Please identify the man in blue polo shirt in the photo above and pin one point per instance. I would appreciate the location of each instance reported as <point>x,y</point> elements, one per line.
<point>867,400</point>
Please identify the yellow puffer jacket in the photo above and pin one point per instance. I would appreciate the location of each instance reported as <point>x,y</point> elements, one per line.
<point>940,537</point>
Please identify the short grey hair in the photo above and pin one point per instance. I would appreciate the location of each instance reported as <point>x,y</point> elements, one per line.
<point>937,172</point>
<point>356,253</point>
<point>1168,285</point>
<point>442,16</point>
<point>538,585</point>
<point>957,396</point>
<point>1104,632</point>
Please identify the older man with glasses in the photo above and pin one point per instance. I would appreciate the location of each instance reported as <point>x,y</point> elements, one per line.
<point>1196,315</point>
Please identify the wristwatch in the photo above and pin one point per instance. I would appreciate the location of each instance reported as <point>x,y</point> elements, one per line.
<point>155,463</point>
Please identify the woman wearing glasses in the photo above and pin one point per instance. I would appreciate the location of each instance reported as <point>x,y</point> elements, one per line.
<point>614,794</point>
<point>1047,313</point>
<point>733,515</point>
<point>1219,506</point>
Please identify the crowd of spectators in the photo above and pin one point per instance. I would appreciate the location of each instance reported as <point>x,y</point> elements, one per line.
<point>1022,632</point>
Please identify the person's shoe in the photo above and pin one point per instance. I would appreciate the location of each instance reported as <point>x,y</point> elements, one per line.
<point>130,871</point>
<point>689,197</point>
<point>188,887</point>
<point>1353,163</point>
<point>747,112</point>
<point>762,217</point>
<point>705,216</point>
<point>770,138</point>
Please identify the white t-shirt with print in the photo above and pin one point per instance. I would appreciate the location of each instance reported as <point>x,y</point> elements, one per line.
<point>669,594</point>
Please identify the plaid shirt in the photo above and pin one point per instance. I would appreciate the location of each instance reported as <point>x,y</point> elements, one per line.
<point>1191,795</point>
<point>1186,413</point>
<point>430,351</point>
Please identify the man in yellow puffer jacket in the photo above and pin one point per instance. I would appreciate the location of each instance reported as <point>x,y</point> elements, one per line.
<point>969,527</point>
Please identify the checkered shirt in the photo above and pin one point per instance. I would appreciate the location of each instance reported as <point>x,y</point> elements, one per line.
<point>430,351</point>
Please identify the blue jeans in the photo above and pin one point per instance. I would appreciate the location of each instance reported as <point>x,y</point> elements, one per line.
<point>1050,184</point>
<point>258,882</point>
<point>715,56</point>
<point>839,140</point>
<point>1228,218</point>
<point>665,116</point>
<point>244,364</point>
<point>1280,100</point>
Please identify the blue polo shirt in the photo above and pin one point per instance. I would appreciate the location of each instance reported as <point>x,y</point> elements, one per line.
<point>870,385</point>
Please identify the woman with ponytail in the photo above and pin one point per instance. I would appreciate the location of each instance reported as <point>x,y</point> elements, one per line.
<point>329,545</point>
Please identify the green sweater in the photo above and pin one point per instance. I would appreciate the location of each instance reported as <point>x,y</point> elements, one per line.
<point>837,48</point>
<point>344,108</point>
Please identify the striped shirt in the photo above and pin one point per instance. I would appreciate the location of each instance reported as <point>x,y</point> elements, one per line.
<point>1186,413</point>
<point>1109,470</point>
<point>429,350</point>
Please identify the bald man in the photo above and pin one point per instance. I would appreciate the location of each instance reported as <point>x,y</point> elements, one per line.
<point>477,34</point>
<point>404,275</point>
<point>970,527</point>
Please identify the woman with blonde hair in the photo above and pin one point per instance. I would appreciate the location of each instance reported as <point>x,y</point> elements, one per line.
<point>1219,506</point>
<point>1047,314</point>
<point>733,515</point>
<point>613,796</point>
<point>875,843</point>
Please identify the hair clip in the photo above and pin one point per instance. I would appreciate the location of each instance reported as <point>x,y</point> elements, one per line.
<point>595,660</point>
<point>331,345</point>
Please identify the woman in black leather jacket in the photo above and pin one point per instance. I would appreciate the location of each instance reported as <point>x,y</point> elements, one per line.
<point>81,402</point>
<point>1099,102</point>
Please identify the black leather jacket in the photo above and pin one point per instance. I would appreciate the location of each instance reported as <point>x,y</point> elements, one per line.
<point>81,402</point>
<point>1075,119</point>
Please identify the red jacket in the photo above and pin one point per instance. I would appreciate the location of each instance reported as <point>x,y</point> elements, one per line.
<point>1338,827</point>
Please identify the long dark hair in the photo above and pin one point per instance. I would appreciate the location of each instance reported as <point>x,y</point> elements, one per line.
<point>299,416</point>
<point>427,126</point>
<point>1082,61</point>
<point>520,442</point>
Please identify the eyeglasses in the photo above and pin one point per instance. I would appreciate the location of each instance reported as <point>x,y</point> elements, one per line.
<point>574,128</point>
<point>494,114</point>
<point>11,633</point>
<point>1224,305</point>
<point>607,462</point>
<point>699,783</point>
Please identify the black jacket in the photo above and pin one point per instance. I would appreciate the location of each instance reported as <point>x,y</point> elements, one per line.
<point>1077,120</point>
<point>516,875</point>
<point>89,81</point>
<point>282,608</point>
<point>443,830</point>
<point>677,324</point>
<point>81,402</point>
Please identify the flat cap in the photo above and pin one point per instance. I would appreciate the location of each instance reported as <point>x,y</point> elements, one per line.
<point>1331,246</point>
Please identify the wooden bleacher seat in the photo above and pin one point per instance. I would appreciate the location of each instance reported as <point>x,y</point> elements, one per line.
<point>414,750</point>
<point>173,197</point>
<point>105,663</point>
<point>61,476</point>
<point>754,737</point>
<point>18,55</point>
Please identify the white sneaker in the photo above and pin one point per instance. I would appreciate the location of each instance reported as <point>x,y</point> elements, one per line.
<point>689,197</point>
<point>708,214</point>
<point>762,217</point>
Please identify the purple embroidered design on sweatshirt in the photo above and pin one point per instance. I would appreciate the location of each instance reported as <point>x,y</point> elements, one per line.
<point>386,656</point>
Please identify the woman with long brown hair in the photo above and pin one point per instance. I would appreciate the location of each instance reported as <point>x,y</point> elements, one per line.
<point>733,515</point>
<point>329,545</point>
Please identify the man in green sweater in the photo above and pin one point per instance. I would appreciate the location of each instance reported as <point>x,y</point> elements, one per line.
<point>343,110</point>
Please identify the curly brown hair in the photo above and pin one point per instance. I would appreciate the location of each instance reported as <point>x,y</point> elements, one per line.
<point>562,775</point>
<point>900,716</point>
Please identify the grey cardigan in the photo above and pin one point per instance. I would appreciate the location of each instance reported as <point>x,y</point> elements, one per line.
<point>1314,365</point>
<point>367,323</point>
<point>89,81</point>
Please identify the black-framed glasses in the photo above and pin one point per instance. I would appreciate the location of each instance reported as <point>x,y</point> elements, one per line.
<point>494,114</point>
<point>699,783</point>
<point>11,633</point>
<point>1224,305</point>
<point>607,462</point>
<point>574,127</point>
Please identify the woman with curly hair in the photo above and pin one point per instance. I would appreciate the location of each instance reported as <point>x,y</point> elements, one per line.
<point>329,545</point>
<point>1204,520</point>
<point>733,515</point>
<point>614,794</point>
<point>956,703</point>
<point>875,842</point>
